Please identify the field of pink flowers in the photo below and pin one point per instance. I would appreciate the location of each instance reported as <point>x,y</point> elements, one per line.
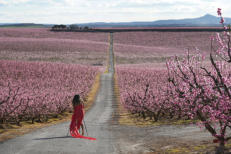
<point>46,33</point>
<point>36,90</point>
<point>31,86</point>
<point>141,90</point>
<point>156,47</point>
<point>188,89</point>
<point>192,87</point>
<point>40,44</point>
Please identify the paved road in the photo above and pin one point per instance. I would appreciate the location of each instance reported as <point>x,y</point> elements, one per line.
<point>53,140</point>
<point>111,138</point>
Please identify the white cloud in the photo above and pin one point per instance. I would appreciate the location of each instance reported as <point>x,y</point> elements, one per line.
<point>72,11</point>
<point>12,2</point>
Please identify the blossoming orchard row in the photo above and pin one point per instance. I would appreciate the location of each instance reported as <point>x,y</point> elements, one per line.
<point>189,88</point>
<point>141,90</point>
<point>36,90</point>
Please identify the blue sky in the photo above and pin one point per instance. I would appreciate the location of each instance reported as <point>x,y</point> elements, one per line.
<point>81,11</point>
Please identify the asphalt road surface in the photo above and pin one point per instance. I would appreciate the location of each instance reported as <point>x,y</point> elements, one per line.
<point>110,137</point>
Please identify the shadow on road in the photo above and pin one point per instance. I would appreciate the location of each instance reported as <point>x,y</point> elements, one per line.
<point>49,138</point>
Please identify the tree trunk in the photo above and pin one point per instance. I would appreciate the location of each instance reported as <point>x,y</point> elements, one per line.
<point>221,148</point>
<point>32,120</point>
<point>143,115</point>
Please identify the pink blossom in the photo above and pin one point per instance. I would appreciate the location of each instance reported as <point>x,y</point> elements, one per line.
<point>219,11</point>
<point>222,20</point>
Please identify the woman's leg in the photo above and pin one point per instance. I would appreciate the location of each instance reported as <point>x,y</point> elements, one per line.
<point>82,129</point>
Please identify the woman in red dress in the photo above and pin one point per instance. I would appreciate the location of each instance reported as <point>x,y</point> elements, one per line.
<point>77,119</point>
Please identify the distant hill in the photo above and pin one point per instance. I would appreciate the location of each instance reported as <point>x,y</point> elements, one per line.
<point>204,21</point>
<point>25,25</point>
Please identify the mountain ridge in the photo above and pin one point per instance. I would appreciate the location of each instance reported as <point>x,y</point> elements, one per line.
<point>207,20</point>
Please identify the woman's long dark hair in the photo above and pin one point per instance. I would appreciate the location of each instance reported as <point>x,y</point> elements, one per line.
<point>76,100</point>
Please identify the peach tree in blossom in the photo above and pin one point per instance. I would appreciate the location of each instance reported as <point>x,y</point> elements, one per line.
<point>203,90</point>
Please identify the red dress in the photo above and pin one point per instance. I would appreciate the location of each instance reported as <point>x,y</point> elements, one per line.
<point>76,122</point>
